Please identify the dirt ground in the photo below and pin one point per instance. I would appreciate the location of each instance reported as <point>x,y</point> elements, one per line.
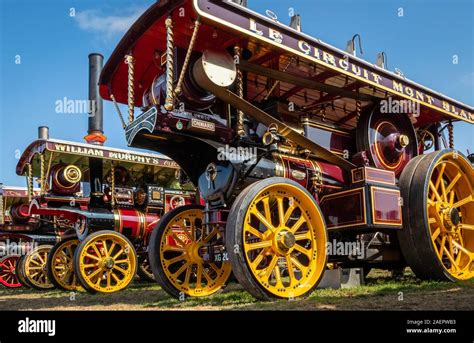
<point>379,293</point>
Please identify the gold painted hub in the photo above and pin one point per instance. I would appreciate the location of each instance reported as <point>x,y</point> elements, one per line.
<point>450,208</point>
<point>403,140</point>
<point>193,252</point>
<point>285,241</point>
<point>108,263</point>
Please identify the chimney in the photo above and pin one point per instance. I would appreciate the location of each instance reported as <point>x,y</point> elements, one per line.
<point>43,132</point>
<point>95,130</point>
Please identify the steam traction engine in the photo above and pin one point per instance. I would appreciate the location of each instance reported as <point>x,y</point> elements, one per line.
<point>18,232</point>
<point>128,193</point>
<point>102,204</point>
<point>327,161</point>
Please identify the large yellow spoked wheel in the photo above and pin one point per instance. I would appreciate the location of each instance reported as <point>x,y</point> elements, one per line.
<point>438,203</point>
<point>60,265</point>
<point>186,258</point>
<point>276,239</point>
<point>105,262</point>
<point>34,268</point>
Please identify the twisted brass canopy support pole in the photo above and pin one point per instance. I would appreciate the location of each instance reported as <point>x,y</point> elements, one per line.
<point>42,175</point>
<point>197,24</point>
<point>169,101</point>
<point>29,181</point>
<point>112,184</point>
<point>130,61</point>
<point>240,93</point>
<point>451,134</point>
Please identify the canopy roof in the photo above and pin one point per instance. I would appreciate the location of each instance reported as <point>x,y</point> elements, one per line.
<point>158,168</point>
<point>272,45</point>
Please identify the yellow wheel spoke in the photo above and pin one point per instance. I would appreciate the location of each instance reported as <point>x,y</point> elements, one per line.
<point>98,254</point>
<point>112,246</point>
<point>108,280</point>
<point>466,227</point>
<point>303,236</point>
<point>297,263</point>
<point>442,247</point>
<point>463,201</point>
<point>206,275</point>
<point>435,192</point>
<point>259,258</point>
<point>120,252</point>
<point>263,220</point>
<point>94,273</point>
<point>302,250</point>
<point>451,197</point>
<point>181,269</point>
<point>439,181</point>
<point>281,212</point>
<point>172,248</point>
<point>35,262</point>
<point>91,265</point>
<point>214,267</point>
<point>265,273</point>
<point>278,276</point>
<point>92,256</point>
<point>464,250</point>
<point>451,259</point>
<point>298,224</point>
<point>291,272</point>
<point>104,247</point>
<point>453,182</point>
<point>35,268</point>
<point>266,209</point>
<point>188,275</point>
<point>435,234</point>
<point>115,277</point>
<point>120,269</point>
<point>289,211</point>
<point>199,276</point>
<point>259,245</point>
<point>175,259</point>
<point>253,231</point>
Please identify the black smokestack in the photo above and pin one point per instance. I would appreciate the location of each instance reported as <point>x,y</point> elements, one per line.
<point>95,130</point>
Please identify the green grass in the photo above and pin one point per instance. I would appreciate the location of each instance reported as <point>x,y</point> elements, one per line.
<point>379,292</point>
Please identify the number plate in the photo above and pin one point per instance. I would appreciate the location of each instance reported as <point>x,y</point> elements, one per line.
<point>203,125</point>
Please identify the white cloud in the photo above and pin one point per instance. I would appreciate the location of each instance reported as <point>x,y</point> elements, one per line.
<point>107,25</point>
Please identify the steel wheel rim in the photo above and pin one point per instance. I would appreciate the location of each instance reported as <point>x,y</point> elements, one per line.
<point>62,266</point>
<point>35,268</point>
<point>107,263</point>
<point>180,246</point>
<point>450,215</point>
<point>8,276</point>
<point>288,234</point>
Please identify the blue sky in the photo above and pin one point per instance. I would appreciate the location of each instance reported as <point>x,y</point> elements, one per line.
<point>53,47</point>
